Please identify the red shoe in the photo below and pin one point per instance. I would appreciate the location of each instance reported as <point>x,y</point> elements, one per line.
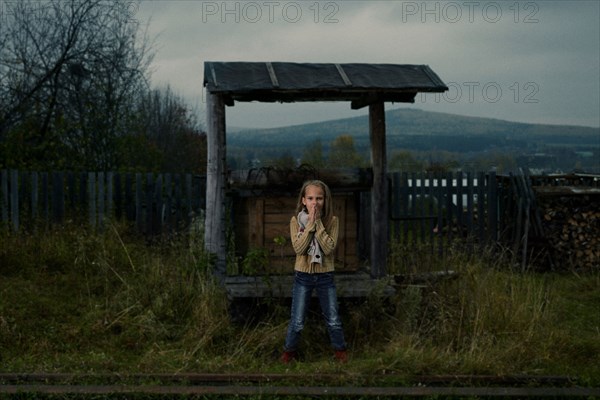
<point>341,356</point>
<point>288,356</point>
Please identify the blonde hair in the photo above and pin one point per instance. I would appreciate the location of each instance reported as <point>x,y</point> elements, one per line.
<point>327,212</point>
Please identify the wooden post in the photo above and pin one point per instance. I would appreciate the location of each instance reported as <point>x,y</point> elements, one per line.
<point>100,198</point>
<point>379,193</point>
<point>34,195</point>
<point>5,195</point>
<point>214,227</point>
<point>110,196</point>
<point>58,197</point>
<point>139,196</point>
<point>92,198</point>
<point>493,206</point>
<point>14,199</point>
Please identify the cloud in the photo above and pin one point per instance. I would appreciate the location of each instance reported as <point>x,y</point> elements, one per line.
<point>537,50</point>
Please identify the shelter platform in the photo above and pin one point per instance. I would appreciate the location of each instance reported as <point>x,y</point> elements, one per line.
<point>349,285</point>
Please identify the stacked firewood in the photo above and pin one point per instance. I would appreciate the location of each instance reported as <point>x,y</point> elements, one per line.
<point>571,229</point>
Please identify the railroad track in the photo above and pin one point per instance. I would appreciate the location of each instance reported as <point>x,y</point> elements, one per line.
<point>294,385</point>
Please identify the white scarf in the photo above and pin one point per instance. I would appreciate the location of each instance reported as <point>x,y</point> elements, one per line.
<point>314,249</point>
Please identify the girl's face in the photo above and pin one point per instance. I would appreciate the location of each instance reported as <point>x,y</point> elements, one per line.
<point>313,197</point>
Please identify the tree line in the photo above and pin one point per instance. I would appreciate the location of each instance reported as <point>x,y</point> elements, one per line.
<point>75,93</point>
<point>342,152</point>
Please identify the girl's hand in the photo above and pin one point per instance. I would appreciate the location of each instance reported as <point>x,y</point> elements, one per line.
<point>314,213</point>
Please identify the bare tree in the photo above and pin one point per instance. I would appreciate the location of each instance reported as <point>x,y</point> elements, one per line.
<point>173,130</point>
<point>70,72</point>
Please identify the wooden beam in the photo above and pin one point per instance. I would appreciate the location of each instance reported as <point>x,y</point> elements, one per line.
<point>379,192</point>
<point>214,230</point>
<point>365,100</point>
<point>349,285</point>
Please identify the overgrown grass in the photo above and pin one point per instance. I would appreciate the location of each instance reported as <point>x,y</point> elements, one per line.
<point>72,300</point>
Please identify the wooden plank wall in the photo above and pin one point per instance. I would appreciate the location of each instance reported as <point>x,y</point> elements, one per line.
<point>259,221</point>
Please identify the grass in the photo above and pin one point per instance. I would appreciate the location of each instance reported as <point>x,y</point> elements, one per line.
<point>72,300</point>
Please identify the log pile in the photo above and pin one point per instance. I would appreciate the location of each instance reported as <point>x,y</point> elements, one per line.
<point>571,224</point>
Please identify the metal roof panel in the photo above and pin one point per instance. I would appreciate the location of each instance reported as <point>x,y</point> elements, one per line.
<point>289,82</point>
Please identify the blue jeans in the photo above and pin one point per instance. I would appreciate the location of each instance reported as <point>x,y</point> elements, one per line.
<point>325,286</point>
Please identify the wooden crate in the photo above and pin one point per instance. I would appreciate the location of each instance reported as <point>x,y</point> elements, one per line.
<point>258,221</point>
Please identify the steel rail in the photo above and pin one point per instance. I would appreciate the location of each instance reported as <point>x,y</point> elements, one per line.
<point>195,378</point>
<point>415,391</point>
<point>279,385</point>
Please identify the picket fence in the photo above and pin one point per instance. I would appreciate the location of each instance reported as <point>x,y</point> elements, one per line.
<point>425,205</point>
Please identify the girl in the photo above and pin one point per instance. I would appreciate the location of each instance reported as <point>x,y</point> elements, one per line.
<point>314,234</point>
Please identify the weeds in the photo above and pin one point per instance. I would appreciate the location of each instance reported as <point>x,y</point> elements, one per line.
<point>73,300</point>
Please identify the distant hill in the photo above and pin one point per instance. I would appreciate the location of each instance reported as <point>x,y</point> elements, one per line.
<point>550,148</point>
<point>415,129</point>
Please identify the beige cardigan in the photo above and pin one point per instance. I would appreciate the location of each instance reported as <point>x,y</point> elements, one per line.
<point>327,238</point>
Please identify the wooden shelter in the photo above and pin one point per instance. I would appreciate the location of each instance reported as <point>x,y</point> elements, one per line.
<point>363,85</point>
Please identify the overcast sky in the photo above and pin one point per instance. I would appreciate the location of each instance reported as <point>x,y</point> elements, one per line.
<point>527,61</point>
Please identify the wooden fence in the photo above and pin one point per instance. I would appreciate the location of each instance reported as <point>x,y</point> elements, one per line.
<point>154,202</point>
<point>426,205</point>
<point>423,206</point>
<point>426,210</point>
<point>429,212</point>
